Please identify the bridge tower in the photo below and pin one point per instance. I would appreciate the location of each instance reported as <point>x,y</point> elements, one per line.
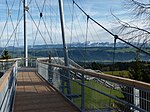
<point>66,59</point>
<point>25,8</point>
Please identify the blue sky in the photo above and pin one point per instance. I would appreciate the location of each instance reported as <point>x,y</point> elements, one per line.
<point>50,33</point>
<point>101,11</point>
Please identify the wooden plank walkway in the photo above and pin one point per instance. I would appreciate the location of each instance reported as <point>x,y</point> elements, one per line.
<point>34,94</point>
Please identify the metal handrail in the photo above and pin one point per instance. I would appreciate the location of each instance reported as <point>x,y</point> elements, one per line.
<point>131,82</point>
<point>122,82</point>
<point>5,77</point>
<point>45,69</point>
<point>7,88</point>
<point>10,60</point>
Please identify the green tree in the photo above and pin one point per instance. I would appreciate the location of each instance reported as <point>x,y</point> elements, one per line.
<point>95,66</point>
<point>138,70</point>
<point>6,54</point>
<point>135,71</point>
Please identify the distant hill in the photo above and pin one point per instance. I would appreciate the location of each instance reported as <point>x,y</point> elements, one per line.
<point>75,44</point>
<point>82,54</point>
<point>93,52</point>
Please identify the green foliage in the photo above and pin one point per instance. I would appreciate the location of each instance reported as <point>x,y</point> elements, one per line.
<point>135,70</point>
<point>6,55</point>
<point>139,71</point>
<point>95,66</point>
<point>122,73</point>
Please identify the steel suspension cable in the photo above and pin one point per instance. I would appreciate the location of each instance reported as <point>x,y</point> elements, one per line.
<point>86,38</point>
<point>51,25</point>
<point>49,35</point>
<point>115,36</point>
<point>72,21</point>
<point>9,15</point>
<point>38,30</point>
<point>41,18</point>
<point>113,67</point>
<point>72,25</point>
<point>114,55</point>
<point>93,19</point>
<point>52,10</point>
<point>82,55</point>
<point>78,39</point>
<point>4,27</point>
<point>14,29</point>
<point>17,27</point>
<point>12,4</point>
<point>12,34</point>
<point>47,31</point>
<point>29,2</point>
<point>34,40</point>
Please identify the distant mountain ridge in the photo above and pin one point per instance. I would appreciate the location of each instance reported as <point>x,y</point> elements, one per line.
<point>75,44</point>
<point>95,52</point>
<point>97,44</point>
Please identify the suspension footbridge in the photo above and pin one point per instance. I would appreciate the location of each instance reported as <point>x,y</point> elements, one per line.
<point>43,87</point>
<point>33,93</point>
<point>57,84</point>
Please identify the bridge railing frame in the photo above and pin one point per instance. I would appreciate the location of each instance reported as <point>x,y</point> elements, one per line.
<point>131,85</point>
<point>8,88</point>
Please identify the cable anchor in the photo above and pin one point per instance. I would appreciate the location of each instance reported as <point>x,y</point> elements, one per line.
<point>41,14</point>
<point>26,8</point>
<point>9,12</point>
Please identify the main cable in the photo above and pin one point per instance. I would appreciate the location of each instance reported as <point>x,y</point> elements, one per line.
<point>115,36</point>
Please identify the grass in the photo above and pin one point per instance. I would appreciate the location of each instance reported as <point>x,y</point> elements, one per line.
<point>93,99</point>
<point>122,50</point>
<point>123,73</point>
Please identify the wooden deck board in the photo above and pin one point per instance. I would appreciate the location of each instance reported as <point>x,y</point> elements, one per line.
<point>33,94</point>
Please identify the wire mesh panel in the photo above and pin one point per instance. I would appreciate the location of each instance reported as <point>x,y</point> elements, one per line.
<point>7,89</point>
<point>91,91</point>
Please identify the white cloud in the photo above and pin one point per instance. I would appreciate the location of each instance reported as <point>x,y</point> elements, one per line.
<point>99,10</point>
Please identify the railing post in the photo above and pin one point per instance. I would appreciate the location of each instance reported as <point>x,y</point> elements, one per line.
<point>16,66</point>
<point>50,70</point>
<point>136,98</point>
<point>82,94</point>
<point>3,65</point>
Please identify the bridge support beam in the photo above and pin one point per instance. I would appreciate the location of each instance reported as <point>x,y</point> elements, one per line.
<point>25,37</point>
<point>82,94</point>
<point>61,10</point>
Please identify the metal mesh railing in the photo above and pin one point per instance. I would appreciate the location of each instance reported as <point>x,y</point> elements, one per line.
<point>31,62</point>
<point>91,91</point>
<point>7,88</point>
